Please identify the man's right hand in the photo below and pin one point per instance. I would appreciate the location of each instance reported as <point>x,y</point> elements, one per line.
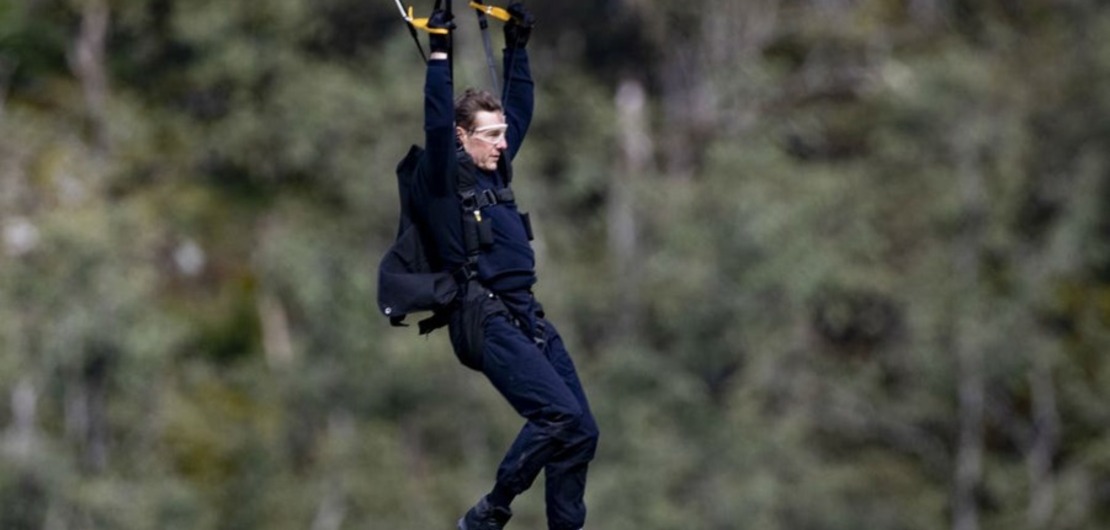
<point>442,20</point>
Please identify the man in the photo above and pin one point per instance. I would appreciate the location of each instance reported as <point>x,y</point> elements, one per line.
<point>462,202</point>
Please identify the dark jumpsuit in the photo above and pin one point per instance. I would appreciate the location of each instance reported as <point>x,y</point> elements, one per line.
<point>537,377</point>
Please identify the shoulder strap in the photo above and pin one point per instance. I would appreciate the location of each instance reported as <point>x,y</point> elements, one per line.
<point>406,172</point>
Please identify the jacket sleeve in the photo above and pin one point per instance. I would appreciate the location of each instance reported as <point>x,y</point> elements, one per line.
<point>519,97</point>
<point>439,130</point>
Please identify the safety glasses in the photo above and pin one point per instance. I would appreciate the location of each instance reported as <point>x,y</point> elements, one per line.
<point>491,134</point>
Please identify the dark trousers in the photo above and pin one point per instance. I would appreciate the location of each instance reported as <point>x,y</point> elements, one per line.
<point>539,381</point>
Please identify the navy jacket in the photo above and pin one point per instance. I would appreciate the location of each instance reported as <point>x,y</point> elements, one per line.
<point>509,264</point>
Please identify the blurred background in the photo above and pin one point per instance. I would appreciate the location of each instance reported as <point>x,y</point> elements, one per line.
<point>823,264</point>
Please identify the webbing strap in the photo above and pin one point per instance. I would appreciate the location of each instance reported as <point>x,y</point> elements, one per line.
<point>451,40</point>
<point>412,28</point>
<point>416,39</point>
<point>483,25</point>
<point>434,322</point>
<point>540,335</point>
<point>476,200</point>
<point>442,317</point>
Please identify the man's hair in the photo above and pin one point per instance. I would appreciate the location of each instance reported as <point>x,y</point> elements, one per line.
<point>470,103</point>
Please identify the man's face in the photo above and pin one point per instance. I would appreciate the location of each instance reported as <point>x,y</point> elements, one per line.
<point>485,141</point>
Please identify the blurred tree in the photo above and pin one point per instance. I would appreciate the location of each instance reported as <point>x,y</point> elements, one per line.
<point>823,264</point>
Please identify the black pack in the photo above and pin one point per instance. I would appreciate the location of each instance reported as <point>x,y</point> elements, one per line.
<point>407,283</point>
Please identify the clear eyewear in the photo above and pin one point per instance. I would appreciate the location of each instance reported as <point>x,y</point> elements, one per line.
<point>490,134</point>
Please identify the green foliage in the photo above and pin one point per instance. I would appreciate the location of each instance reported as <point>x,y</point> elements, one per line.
<point>842,206</point>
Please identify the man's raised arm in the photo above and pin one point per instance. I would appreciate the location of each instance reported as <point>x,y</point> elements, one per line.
<point>519,98</point>
<point>439,110</point>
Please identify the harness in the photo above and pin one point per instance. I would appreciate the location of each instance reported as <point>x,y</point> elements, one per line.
<point>408,279</point>
<point>477,233</point>
<point>482,12</point>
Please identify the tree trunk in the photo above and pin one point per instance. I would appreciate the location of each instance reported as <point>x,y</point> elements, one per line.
<point>331,509</point>
<point>1046,434</point>
<point>969,454</point>
<point>635,160</point>
<point>277,340</point>
<point>7,68</point>
<point>969,345</point>
<point>925,13</point>
<point>89,65</point>
<point>21,436</point>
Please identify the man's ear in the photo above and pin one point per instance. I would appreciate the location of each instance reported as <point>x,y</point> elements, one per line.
<point>460,133</point>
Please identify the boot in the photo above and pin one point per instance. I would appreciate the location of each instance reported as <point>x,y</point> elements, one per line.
<point>485,516</point>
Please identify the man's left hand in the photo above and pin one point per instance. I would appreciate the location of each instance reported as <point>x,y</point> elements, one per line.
<point>519,28</point>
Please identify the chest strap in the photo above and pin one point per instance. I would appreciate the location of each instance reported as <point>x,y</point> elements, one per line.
<point>478,199</point>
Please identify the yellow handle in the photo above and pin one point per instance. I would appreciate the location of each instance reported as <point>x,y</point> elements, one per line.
<point>495,12</point>
<point>422,23</point>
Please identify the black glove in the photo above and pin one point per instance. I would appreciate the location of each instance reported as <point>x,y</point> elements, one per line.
<point>519,27</point>
<point>440,19</point>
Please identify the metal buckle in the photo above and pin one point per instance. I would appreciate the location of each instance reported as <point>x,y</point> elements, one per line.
<point>489,196</point>
<point>469,200</point>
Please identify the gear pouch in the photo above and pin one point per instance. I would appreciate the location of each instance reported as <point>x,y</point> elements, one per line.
<point>467,323</point>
